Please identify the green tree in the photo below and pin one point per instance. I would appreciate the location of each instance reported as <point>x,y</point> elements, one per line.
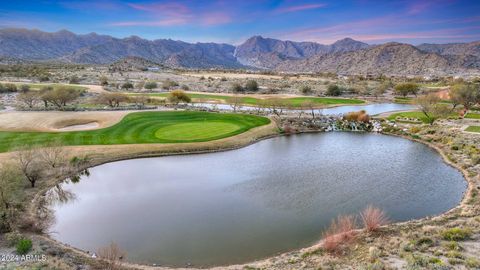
<point>151,85</point>
<point>10,195</point>
<point>305,89</point>
<point>334,90</point>
<point>404,89</point>
<point>464,94</point>
<point>236,87</point>
<point>432,108</point>
<point>60,96</point>
<point>251,86</point>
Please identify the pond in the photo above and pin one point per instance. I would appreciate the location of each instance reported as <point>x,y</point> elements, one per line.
<point>246,204</point>
<point>372,109</point>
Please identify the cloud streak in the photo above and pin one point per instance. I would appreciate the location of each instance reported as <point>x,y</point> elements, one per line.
<point>298,8</point>
<point>174,14</point>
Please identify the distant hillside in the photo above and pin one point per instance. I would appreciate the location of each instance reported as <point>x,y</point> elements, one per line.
<point>346,56</point>
<point>267,53</point>
<point>390,58</point>
<point>133,63</point>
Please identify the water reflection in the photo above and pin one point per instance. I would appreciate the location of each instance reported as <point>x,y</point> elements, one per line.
<point>237,206</point>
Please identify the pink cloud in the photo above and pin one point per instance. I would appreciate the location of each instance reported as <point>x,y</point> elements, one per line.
<point>171,8</point>
<point>215,18</point>
<point>299,8</point>
<point>418,7</point>
<point>174,14</point>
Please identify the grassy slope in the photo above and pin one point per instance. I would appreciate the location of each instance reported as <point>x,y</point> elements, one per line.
<point>142,127</point>
<point>473,115</point>
<point>418,115</point>
<point>473,129</point>
<point>297,101</point>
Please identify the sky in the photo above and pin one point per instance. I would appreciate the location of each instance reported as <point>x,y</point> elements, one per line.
<point>233,21</point>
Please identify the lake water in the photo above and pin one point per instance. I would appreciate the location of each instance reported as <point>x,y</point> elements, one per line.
<point>258,201</point>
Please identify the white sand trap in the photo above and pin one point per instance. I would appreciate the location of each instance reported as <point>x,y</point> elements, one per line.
<point>87,126</point>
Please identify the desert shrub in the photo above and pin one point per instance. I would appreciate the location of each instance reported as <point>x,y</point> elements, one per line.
<point>127,85</point>
<point>373,218</point>
<point>456,234</point>
<point>223,79</point>
<point>475,159</point>
<point>340,234</point>
<point>185,87</point>
<point>24,88</point>
<point>8,88</point>
<point>251,85</point>
<point>414,129</point>
<point>305,89</point>
<point>24,246</point>
<point>472,263</point>
<point>424,242</point>
<point>177,96</point>
<point>360,116</point>
<point>167,84</point>
<point>452,245</point>
<point>73,80</point>
<point>334,90</point>
<point>236,87</point>
<point>150,85</point>
<point>12,238</point>
<point>288,130</point>
<point>112,254</point>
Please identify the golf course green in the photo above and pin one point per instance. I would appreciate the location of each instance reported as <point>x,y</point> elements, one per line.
<point>247,100</point>
<point>144,127</point>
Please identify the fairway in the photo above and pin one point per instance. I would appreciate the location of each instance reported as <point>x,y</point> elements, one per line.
<point>144,127</point>
<point>473,115</point>
<point>475,129</point>
<point>248,100</point>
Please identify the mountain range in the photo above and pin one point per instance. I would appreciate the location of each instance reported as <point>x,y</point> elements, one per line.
<point>346,56</point>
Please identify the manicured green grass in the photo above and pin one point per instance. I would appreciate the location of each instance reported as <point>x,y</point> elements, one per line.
<point>403,100</point>
<point>473,129</point>
<point>418,115</point>
<point>295,102</point>
<point>473,115</point>
<point>145,127</point>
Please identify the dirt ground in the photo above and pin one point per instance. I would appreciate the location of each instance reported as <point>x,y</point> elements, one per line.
<point>252,76</point>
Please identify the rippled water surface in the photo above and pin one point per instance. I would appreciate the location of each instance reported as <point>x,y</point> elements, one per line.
<point>241,205</point>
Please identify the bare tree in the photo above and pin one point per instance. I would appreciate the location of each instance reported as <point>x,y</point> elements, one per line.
<point>309,105</point>
<point>28,161</point>
<point>111,99</point>
<point>235,102</point>
<point>464,94</point>
<point>61,96</point>
<point>53,154</point>
<point>10,187</point>
<point>29,98</point>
